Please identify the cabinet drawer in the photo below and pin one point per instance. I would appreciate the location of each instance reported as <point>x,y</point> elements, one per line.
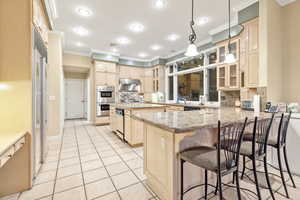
<point>19,144</point>
<point>6,156</point>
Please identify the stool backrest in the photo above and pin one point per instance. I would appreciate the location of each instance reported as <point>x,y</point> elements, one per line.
<point>283,128</point>
<point>229,142</point>
<point>261,132</point>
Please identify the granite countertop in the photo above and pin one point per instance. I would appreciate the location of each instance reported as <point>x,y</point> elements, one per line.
<point>184,121</point>
<point>8,139</point>
<point>182,104</point>
<point>131,106</point>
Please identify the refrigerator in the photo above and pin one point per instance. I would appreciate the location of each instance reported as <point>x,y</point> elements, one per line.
<point>39,103</point>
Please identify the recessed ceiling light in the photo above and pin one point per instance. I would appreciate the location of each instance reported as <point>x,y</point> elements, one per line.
<point>136,27</point>
<point>123,40</point>
<point>85,12</point>
<point>115,50</point>
<point>202,21</point>
<point>79,44</point>
<point>143,55</point>
<point>81,31</point>
<point>173,37</point>
<point>155,47</point>
<point>159,4</point>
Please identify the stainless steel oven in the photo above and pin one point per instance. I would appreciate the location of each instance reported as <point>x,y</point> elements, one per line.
<point>105,94</point>
<point>103,109</point>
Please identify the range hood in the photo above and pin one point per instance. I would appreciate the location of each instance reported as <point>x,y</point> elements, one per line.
<point>129,85</point>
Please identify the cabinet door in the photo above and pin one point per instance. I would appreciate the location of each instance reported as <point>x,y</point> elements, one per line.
<point>111,79</point>
<point>222,74</point>
<point>222,54</point>
<point>100,67</point>
<point>125,72</point>
<point>148,85</point>
<point>111,68</point>
<point>234,46</point>
<point>252,71</point>
<point>253,36</point>
<point>233,78</point>
<point>100,78</point>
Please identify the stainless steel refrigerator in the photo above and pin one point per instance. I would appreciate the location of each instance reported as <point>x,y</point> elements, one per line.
<point>39,102</point>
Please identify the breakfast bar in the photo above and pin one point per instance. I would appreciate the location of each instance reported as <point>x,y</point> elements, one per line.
<point>168,133</point>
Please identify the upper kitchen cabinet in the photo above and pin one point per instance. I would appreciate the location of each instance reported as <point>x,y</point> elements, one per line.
<point>105,67</point>
<point>228,77</point>
<point>105,73</point>
<point>223,49</point>
<point>249,54</point>
<point>40,20</point>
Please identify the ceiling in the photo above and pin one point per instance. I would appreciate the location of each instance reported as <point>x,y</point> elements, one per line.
<point>110,20</point>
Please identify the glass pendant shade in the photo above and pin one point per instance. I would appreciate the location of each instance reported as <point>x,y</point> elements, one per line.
<point>230,58</point>
<point>191,51</point>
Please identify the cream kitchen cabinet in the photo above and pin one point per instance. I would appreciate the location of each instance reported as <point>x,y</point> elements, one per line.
<point>125,72</point>
<point>148,88</point>
<point>100,78</point>
<point>250,54</point>
<point>111,79</point>
<point>105,67</point>
<point>223,50</point>
<point>228,77</point>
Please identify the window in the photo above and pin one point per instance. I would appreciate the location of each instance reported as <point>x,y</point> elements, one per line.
<point>213,94</point>
<point>171,88</point>
<point>190,86</point>
<point>196,62</point>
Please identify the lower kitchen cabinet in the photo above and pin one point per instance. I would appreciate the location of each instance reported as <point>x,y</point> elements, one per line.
<point>102,120</point>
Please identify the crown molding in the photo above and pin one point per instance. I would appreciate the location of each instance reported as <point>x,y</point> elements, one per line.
<point>244,5</point>
<point>224,27</point>
<point>285,2</point>
<point>104,52</point>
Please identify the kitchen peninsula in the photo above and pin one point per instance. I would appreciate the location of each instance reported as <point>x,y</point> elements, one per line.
<point>167,133</point>
<point>128,128</point>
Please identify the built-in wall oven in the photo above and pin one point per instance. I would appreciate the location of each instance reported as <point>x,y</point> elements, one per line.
<point>105,95</point>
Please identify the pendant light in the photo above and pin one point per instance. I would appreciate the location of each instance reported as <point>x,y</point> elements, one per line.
<point>192,48</point>
<point>230,58</point>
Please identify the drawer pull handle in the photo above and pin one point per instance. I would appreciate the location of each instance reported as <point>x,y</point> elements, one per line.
<point>9,156</point>
<point>22,143</point>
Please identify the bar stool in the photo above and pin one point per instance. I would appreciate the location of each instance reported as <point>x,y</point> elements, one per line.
<point>256,149</point>
<point>279,143</point>
<point>221,160</point>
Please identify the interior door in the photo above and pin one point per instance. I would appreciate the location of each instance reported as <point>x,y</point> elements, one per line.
<point>75,98</point>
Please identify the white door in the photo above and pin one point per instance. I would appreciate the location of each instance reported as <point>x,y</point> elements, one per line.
<point>75,98</point>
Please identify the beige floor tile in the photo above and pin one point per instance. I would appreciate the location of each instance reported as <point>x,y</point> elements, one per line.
<point>95,164</point>
<point>69,162</point>
<point>140,174</point>
<point>99,188</point>
<point>89,157</point>
<point>67,155</point>
<point>45,177</point>
<point>49,166</point>
<point>68,182</point>
<point>125,179</point>
<point>135,192</point>
<point>111,160</point>
<point>38,191</point>
<point>67,171</point>
<point>123,150</point>
<point>117,168</point>
<point>111,196</point>
<point>135,163</point>
<point>94,175</point>
<point>73,194</point>
<point>106,154</point>
<point>129,156</point>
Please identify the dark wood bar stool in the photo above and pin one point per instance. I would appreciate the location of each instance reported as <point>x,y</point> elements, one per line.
<point>256,149</point>
<point>221,160</point>
<point>279,143</point>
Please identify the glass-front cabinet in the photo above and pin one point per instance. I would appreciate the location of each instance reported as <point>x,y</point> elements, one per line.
<point>223,49</point>
<point>228,77</point>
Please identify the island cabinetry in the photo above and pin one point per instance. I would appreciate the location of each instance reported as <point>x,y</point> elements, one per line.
<point>15,163</point>
<point>134,134</point>
<point>113,118</point>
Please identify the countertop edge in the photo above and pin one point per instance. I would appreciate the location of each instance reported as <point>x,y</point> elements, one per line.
<point>11,142</point>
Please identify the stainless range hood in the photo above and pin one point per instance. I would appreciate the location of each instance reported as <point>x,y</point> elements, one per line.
<point>129,85</point>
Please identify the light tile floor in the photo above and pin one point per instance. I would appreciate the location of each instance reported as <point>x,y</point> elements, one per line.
<point>91,163</point>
